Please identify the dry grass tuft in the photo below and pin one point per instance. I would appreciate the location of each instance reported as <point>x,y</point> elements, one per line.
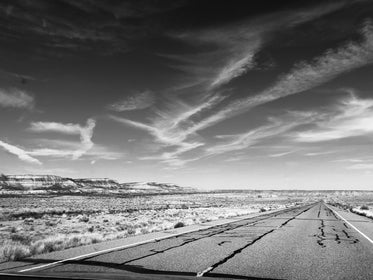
<point>13,251</point>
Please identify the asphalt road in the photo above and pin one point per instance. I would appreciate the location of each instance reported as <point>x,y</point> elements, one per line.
<point>310,242</point>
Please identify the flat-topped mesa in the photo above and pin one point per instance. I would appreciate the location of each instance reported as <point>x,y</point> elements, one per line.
<point>154,187</point>
<point>98,183</point>
<point>60,185</point>
<point>34,182</point>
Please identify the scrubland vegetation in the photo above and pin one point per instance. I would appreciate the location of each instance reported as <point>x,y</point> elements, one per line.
<point>36,225</point>
<point>361,204</point>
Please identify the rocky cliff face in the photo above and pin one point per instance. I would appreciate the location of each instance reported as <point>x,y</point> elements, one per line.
<point>155,187</point>
<point>104,183</point>
<point>55,184</point>
<point>35,182</point>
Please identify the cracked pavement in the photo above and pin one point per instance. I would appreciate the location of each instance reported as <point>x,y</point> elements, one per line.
<point>308,242</point>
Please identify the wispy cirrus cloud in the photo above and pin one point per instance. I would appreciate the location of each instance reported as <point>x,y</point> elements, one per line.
<point>16,98</point>
<point>172,158</point>
<point>303,76</point>
<point>232,53</point>
<point>314,154</point>
<point>276,127</point>
<point>101,26</point>
<point>85,133</point>
<point>244,140</point>
<point>19,152</point>
<point>170,125</point>
<point>281,154</point>
<point>361,166</point>
<point>353,116</point>
<point>234,46</point>
<point>135,101</point>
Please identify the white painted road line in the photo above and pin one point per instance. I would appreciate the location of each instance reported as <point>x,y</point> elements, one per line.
<point>351,225</point>
<point>130,245</point>
<point>112,249</point>
<point>202,273</point>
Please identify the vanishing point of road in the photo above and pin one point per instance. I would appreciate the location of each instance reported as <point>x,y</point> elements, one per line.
<point>315,241</point>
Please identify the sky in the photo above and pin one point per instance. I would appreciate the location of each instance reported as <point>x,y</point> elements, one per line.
<point>207,94</point>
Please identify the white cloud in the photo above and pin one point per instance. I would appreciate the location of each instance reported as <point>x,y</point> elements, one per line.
<point>353,117</point>
<point>85,133</point>
<point>20,153</point>
<point>277,126</point>
<point>354,160</point>
<point>16,98</point>
<point>245,140</point>
<point>68,128</point>
<point>172,158</point>
<point>304,76</point>
<point>313,154</point>
<point>281,154</point>
<point>361,166</point>
<point>232,53</point>
<point>136,101</point>
<point>169,126</point>
<point>235,45</point>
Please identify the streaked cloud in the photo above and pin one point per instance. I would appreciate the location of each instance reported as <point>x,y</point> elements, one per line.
<point>314,154</point>
<point>281,154</point>
<point>353,117</point>
<point>235,45</point>
<point>16,98</point>
<point>172,158</point>
<point>100,27</point>
<point>275,127</point>
<point>361,166</point>
<point>231,54</point>
<point>19,152</point>
<point>85,133</point>
<point>170,126</point>
<point>303,76</point>
<point>136,101</point>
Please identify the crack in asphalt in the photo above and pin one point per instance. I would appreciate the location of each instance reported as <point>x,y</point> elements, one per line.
<point>318,214</point>
<point>216,230</point>
<point>226,228</point>
<point>322,236</point>
<point>225,241</point>
<point>239,250</point>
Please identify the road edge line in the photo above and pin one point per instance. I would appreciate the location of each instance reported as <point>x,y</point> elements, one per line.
<point>351,225</point>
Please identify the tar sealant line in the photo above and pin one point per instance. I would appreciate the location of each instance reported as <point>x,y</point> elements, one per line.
<point>351,225</point>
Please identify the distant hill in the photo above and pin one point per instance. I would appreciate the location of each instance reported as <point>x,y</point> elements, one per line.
<point>50,184</point>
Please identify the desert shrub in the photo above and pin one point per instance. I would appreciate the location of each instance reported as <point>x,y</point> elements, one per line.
<point>23,239</point>
<point>84,219</point>
<point>179,225</point>
<point>14,251</point>
<point>364,207</point>
<point>57,243</point>
<point>29,221</point>
<point>131,231</point>
<point>91,229</point>
<point>144,231</point>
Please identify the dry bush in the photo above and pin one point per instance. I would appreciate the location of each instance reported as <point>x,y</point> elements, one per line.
<point>61,242</point>
<point>179,225</point>
<point>14,251</point>
<point>20,238</point>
